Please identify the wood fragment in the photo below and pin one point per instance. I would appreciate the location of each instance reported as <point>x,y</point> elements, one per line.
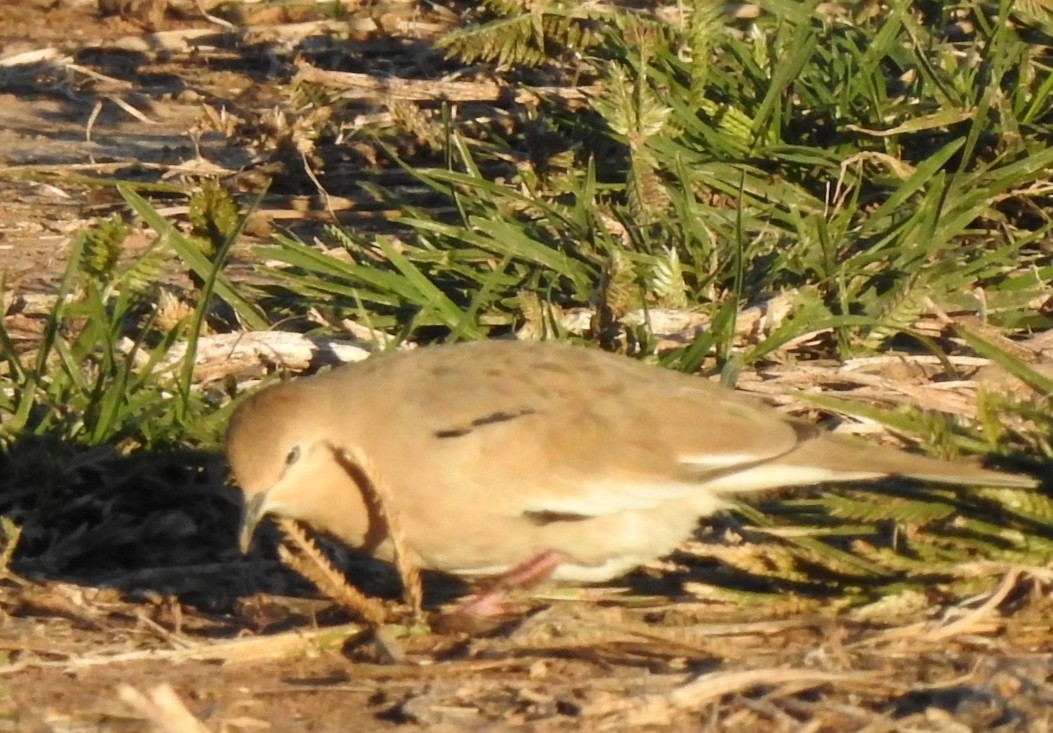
<point>355,85</point>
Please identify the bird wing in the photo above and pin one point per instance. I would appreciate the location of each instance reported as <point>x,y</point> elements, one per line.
<point>548,429</point>
<point>569,430</point>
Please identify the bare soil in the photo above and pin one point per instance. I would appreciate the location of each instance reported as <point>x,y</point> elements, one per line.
<point>112,597</point>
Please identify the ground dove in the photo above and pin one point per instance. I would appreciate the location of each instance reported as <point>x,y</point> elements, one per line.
<point>500,452</point>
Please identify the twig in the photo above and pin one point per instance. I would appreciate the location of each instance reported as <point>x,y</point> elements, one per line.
<point>314,566</point>
<point>163,708</point>
<point>970,619</point>
<point>659,709</point>
<point>229,651</point>
<point>379,495</point>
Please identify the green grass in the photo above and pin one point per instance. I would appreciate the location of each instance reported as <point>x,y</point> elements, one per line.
<point>871,168</point>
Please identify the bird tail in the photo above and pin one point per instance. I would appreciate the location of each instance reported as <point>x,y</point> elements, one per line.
<point>856,459</point>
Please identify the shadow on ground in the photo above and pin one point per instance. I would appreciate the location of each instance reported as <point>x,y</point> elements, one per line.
<point>152,524</point>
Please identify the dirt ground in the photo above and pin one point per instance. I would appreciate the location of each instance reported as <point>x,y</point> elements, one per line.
<point>161,625</point>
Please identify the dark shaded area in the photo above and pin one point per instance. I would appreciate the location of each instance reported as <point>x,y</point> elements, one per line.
<point>153,523</point>
<point>162,521</point>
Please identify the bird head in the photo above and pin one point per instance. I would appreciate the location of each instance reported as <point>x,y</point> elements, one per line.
<point>280,447</point>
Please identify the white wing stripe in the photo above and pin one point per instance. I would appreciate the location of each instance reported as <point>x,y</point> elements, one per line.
<point>597,499</point>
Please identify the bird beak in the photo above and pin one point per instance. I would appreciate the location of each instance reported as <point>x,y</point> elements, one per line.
<point>255,510</point>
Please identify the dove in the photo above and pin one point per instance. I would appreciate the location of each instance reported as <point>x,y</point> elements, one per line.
<point>504,455</point>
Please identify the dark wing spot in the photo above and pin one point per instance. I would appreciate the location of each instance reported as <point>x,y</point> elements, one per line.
<point>501,417</point>
<point>492,419</point>
<point>452,433</point>
<point>543,518</point>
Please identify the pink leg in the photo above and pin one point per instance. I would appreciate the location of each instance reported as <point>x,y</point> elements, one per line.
<point>530,573</point>
<point>492,601</point>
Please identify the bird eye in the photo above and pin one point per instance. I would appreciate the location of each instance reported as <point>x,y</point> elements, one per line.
<point>293,456</point>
